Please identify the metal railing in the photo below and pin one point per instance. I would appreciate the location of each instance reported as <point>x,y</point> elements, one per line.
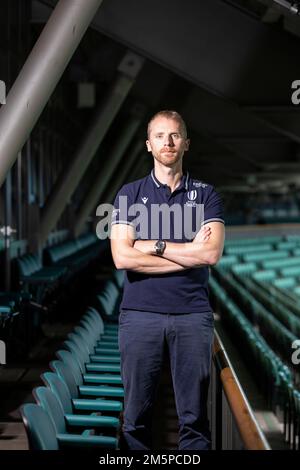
<point>233,424</point>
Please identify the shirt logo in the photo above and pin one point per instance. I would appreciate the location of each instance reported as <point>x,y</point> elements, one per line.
<point>144,199</point>
<point>198,184</point>
<point>192,195</point>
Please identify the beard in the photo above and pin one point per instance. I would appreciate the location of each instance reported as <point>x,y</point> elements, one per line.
<point>168,157</point>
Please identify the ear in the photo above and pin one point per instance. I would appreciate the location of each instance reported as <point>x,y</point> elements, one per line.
<point>187,144</point>
<point>148,145</point>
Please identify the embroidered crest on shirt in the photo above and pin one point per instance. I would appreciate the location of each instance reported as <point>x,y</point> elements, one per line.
<point>192,195</point>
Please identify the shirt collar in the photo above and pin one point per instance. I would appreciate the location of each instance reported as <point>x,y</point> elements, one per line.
<point>184,180</point>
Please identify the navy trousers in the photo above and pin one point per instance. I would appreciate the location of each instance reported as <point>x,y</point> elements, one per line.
<point>142,338</point>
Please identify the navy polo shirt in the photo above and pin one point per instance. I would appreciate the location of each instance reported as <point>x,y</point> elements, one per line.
<point>156,213</point>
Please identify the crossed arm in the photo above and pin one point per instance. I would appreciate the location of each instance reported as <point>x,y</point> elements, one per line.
<point>139,255</point>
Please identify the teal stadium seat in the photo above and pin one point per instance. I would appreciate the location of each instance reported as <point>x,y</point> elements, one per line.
<point>70,404</point>
<point>86,363</point>
<point>97,378</point>
<point>78,389</point>
<point>39,428</point>
<point>52,407</point>
<point>74,420</point>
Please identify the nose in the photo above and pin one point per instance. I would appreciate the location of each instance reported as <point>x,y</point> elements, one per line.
<point>168,141</point>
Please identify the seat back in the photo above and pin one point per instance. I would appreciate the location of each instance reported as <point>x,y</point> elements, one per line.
<point>66,356</point>
<point>244,269</point>
<point>95,317</point>
<point>39,427</point>
<point>88,336</point>
<point>89,325</point>
<point>264,275</point>
<point>108,300</point>
<point>63,371</point>
<point>24,267</point>
<point>73,367</point>
<point>80,352</point>
<point>60,390</point>
<point>48,401</point>
<point>80,343</point>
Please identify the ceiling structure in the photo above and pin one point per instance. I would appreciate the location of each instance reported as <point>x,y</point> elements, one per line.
<point>226,66</point>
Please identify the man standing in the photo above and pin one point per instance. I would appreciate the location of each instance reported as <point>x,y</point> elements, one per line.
<point>165,300</point>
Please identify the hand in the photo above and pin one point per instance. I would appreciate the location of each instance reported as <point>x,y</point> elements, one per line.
<point>203,235</point>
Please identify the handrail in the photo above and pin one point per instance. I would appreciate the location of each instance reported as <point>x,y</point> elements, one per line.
<point>250,432</point>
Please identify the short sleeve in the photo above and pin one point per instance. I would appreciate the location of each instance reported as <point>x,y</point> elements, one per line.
<point>213,207</point>
<point>122,203</point>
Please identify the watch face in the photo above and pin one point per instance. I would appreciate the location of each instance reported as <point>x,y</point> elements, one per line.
<point>160,245</point>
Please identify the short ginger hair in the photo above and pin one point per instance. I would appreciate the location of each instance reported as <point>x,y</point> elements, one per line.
<point>169,114</point>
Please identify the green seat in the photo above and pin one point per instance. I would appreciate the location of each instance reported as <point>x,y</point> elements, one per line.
<point>244,269</point>
<point>227,261</point>
<point>284,283</point>
<point>94,357</point>
<point>288,245</point>
<point>68,403</point>
<point>292,271</point>
<point>267,366</point>
<point>39,428</point>
<point>254,241</point>
<point>293,237</point>
<point>64,372</point>
<point>258,257</point>
<point>5,309</point>
<point>242,250</point>
<point>85,362</point>
<point>297,290</point>
<point>281,263</point>
<point>94,315</point>
<point>107,340</point>
<point>103,378</point>
<point>52,407</point>
<point>99,347</point>
<point>265,275</point>
<point>94,318</point>
<point>77,420</point>
<point>31,270</point>
<point>107,302</point>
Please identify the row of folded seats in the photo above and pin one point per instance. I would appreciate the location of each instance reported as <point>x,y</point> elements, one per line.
<point>81,401</point>
<point>261,316</point>
<point>60,263</point>
<point>18,321</point>
<point>276,263</point>
<point>262,239</point>
<point>37,285</point>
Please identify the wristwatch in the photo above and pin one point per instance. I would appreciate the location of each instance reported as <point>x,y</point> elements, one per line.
<point>160,247</point>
